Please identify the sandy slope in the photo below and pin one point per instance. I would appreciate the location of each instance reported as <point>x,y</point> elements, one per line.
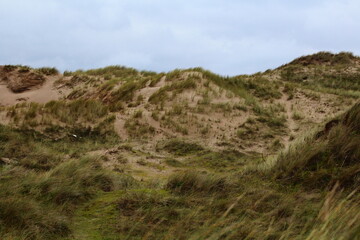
<point>42,94</point>
<point>208,114</point>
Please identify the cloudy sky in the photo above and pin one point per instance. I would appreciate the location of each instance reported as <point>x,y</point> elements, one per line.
<point>226,36</point>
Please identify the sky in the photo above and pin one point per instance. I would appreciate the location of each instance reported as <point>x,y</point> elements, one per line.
<point>228,37</point>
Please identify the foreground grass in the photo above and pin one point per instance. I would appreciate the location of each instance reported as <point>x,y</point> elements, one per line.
<point>307,193</point>
<point>44,181</point>
<point>50,190</point>
<point>194,205</point>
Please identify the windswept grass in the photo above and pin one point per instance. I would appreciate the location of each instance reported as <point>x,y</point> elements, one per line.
<point>325,72</point>
<point>59,118</point>
<point>175,88</point>
<point>138,129</point>
<point>197,205</point>
<point>325,157</point>
<point>126,91</point>
<point>48,71</point>
<point>198,183</point>
<point>113,71</point>
<point>325,58</point>
<point>181,148</point>
<point>339,219</point>
<point>42,186</point>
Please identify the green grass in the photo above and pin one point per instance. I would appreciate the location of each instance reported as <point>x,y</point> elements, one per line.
<point>174,163</point>
<point>324,157</point>
<point>46,182</point>
<point>263,88</point>
<point>48,71</point>
<point>177,125</point>
<point>97,218</point>
<point>60,118</point>
<point>109,85</point>
<point>155,80</point>
<point>116,71</point>
<point>138,129</point>
<point>296,115</point>
<point>198,183</point>
<point>126,91</point>
<point>176,88</point>
<point>344,58</point>
<point>195,205</point>
<point>181,148</point>
<point>76,199</point>
<point>219,161</point>
<point>272,115</point>
<point>324,72</point>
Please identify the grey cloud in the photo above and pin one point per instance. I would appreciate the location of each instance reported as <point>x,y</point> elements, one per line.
<point>229,37</point>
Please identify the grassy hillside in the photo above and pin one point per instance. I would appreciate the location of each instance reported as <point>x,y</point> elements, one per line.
<point>117,153</point>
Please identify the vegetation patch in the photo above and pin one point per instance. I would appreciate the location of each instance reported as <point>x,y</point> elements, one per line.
<point>176,88</point>
<point>42,186</point>
<point>181,148</point>
<point>138,129</point>
<point>219,161</point>
<point>326,157</point>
